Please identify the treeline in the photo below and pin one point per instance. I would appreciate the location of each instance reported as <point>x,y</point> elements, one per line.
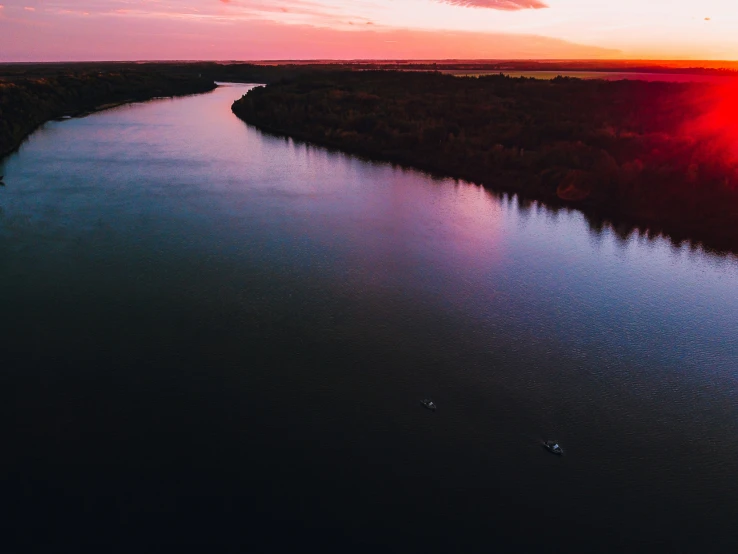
<point>729,69</point>
<point>235,72</point>
<point>653,154</point>
<point>27,102</point>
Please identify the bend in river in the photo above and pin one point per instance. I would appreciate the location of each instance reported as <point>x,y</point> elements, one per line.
<point>214,337</point>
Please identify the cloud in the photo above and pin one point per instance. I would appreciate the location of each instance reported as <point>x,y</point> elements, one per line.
<point>131,38</point>
<point>506,5</point>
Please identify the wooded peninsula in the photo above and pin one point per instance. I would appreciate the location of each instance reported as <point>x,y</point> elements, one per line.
<point>661,157</point>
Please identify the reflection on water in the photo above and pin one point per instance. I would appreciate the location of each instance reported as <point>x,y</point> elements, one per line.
<point>623,230</point>
<point>216,337</point>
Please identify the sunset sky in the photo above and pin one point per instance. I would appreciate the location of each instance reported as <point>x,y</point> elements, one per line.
<point>41,30</point>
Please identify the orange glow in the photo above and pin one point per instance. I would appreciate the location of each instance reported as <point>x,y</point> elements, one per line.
<point>344,29</point>
<point>718,127</point>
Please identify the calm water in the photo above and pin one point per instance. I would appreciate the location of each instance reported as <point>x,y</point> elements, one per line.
<point>217,340</point>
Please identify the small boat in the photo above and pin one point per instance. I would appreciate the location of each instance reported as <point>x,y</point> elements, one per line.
<point>427,403</point>
<point>553,447</point>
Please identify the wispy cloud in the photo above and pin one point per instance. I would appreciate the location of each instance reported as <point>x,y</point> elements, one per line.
<point>506,5</point>
<point>167,39</point>
<point>185,22</point>
<point>313,12</point>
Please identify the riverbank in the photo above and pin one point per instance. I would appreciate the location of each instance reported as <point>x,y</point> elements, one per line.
<point>636,153</point>
<point>28,102</point>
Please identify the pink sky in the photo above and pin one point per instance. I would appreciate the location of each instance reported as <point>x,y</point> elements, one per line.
<point>39,30</point>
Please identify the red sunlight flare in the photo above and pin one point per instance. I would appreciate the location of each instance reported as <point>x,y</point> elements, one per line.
<point>719,124</point>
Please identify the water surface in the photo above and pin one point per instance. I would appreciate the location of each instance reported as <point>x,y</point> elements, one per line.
<point>218,339</point>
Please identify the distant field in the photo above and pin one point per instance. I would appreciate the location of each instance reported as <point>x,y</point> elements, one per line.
<point>606,75</point>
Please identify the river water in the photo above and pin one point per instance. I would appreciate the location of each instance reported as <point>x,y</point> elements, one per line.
<point>218,339</point>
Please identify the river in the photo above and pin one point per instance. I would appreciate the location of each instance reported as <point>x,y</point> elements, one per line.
<point>217,339</point>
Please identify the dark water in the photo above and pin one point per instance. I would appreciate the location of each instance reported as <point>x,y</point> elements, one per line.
<point>216,340</point>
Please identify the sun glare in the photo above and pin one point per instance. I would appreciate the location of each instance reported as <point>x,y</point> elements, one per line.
<point>720,122</point>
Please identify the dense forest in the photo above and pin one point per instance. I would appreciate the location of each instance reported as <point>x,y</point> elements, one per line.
<point>692,67</point>
<point>27,102</point>
<point>660,156</point>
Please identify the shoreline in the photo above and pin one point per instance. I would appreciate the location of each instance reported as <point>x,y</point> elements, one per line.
<point>27,104</point>
<point>644,217</point>
<point>118,104</point>
<point>596,217</point>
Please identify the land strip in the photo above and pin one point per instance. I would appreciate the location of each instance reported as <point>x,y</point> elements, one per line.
<point>657,156</point>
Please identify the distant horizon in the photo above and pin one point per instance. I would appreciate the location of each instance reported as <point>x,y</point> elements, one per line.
<point>655,63</point>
